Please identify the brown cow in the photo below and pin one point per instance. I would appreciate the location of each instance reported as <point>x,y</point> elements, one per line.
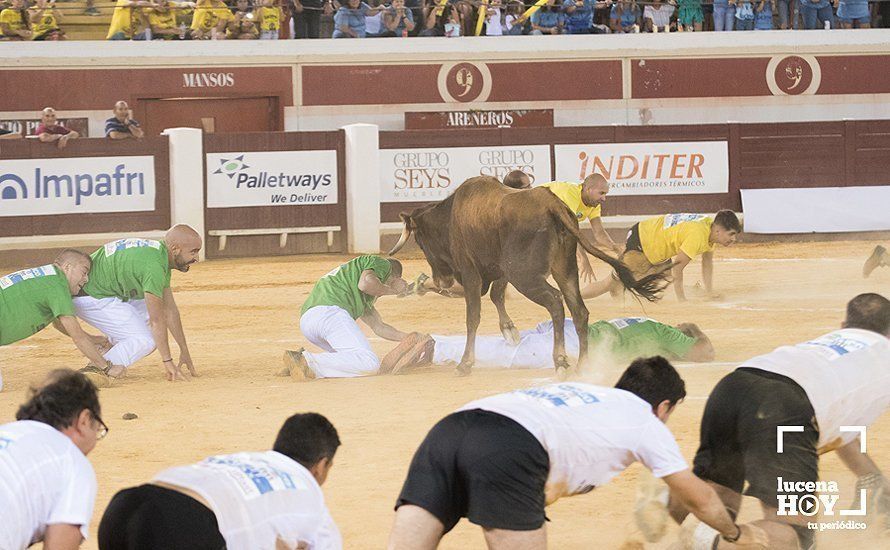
<point>487,235</point>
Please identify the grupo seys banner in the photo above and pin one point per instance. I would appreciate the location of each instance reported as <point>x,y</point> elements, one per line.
<point>670,168</point>
<point>275,178</point>
<point>79,185</point>
<point>412,175</point>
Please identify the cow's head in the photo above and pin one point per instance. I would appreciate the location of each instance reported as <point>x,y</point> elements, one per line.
<point>430,226</point>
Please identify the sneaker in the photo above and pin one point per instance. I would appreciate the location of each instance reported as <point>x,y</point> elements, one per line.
<point>420,355</point>
<point>877,259</point>
<point>92,11</point>
<point>296,366</point>
<point>650,508</point>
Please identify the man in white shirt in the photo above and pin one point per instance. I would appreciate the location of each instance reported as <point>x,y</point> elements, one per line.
<point>819,389</point>
<point>48,485</point>
<point>243,501</point>
<point>500,460</point>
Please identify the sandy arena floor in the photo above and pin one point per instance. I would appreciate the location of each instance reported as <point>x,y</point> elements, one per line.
<point>239,316</point>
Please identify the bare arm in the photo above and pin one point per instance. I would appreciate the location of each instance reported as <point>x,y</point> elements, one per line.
<point>136,131</point>
<point>62,536</point>
<point>381,329</point>
<point>391,20</point>
<point>114,134</point>
<point>858,462</point>
<point>372,286</point>
<point>701,500</point>
<point>601,236</point>
<point>680,263</point>
<point>707,271</point>
<point>46,137</point>
<point>82,340</point>
<point>157,320</point>
<point>174,325</point>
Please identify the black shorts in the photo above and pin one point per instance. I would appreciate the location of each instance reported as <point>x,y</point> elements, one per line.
<point>738,435</point>
<point>151,517</point>
<point>482,466</point>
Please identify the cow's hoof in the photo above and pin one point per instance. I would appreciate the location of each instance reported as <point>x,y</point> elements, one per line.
<point>562,373</point>
<point>511,335</point>
<point>463,370</point>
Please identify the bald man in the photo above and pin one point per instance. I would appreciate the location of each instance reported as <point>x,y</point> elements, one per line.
<point>33,298</point>
<point>128,298</point>
<point>122,125</point>
<point>50,130</point>
<point>585,200</point>
<point>517,179</point>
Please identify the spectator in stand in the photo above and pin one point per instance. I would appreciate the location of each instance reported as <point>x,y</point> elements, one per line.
<point>242,26</point>
<point>349,21</point>
<point>513,22</point>
<point>744,14</point>
<point>307,17</point>
<point>579,16</point>
<point>269,16</point>
<point>690,16</point>
<point>374,23</point>
<point>788,13</point>
<point>658,16</point>
<point>49,130</point>
<point>210,20</point>
<point>815,13</point>
<point>128,21</point>
<point>625,17</point>
<point>14,22</point>
<point>122,125</point>
<point>548,20</point>
<point>763,15</point>
<point>724,15</point>
<point>398,20</point>
<point>162,21</point>
<point>49,486</point>
<point>45,21</point>
<point>853,14</point>
<point>495,19</point>
<point>443,20</point>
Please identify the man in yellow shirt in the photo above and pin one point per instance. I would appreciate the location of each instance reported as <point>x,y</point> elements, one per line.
<point>671,242</point>
<point>13,23</point>
<point>585,200</point>
<point>210,20</point>
<point>128,20</point>
<point>270,20</point>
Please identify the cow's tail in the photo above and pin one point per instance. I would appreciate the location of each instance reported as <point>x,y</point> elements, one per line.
<point>649,287</point>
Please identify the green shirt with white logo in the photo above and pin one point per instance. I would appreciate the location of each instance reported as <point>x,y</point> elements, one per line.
<point>632,337</point>
<point>128,268</point>
<point>30,299</point>
<point>340,286</point>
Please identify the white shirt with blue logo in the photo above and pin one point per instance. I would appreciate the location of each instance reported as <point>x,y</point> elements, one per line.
<point>591,433</point>
<point>259,498</point>
<point>845,374</point>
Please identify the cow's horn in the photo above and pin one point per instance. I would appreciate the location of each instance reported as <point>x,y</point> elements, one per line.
<point>402,240</point>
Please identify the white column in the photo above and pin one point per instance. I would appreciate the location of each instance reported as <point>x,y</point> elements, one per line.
<point>362,188</point>
<point>187,178</point>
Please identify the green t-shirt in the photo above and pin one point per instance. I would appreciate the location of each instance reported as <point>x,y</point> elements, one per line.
<point>340,286</point>
<point>632,337</point>
<point>30,299</point>
<point>128,268</point>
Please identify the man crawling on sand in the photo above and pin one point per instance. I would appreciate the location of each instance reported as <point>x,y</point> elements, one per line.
<point>618,340</point>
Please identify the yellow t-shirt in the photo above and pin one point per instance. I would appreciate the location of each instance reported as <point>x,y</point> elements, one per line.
<point>46,23</point>
<point>269,18</point>
<point>13,18</point>
<point>126,20</point>
<point>570,193</point>
<point>162,20</point>
<point>209,15</point>
<point>663,237</point>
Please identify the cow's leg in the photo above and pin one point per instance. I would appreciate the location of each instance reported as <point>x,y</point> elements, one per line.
<point>536,288</point>
<point>498,295</point>
<point>473,299</point>
<point>565,273</point>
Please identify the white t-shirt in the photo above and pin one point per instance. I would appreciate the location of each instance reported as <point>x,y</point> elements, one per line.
<point>493,26</point>
<point>258,498</point>
<point>591,433</point>
<point>44,480</point>
<point>660,17</point>
<point>846,375</point>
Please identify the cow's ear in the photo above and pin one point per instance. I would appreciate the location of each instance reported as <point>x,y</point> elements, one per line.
<point>407,220</point>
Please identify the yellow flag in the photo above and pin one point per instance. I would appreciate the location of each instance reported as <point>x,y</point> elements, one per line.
<point>531,11</point>
<point>483,9</point>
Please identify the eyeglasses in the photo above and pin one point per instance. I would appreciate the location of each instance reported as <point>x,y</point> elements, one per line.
<point>103,429</point>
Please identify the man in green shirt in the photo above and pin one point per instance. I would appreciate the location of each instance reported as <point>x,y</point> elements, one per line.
<point>128,298</point>
<point>328,319</point>
<point>618,340</point>
<point>33,298</point>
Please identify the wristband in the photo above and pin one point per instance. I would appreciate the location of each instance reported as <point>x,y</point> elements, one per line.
<point>167,360</point>
<point>736,537</point>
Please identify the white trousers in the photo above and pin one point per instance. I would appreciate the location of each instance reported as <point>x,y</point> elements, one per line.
<point>348,352</point>
<point>124,323</point>
<point>535,349</point>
